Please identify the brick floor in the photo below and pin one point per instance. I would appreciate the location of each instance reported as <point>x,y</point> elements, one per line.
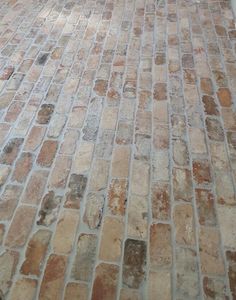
<point>118,150</point>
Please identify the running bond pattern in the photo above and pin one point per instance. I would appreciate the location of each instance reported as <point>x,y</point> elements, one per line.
<point>118,149</point>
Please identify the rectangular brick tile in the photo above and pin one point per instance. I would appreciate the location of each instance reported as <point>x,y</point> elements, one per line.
<point>65,231</point>
<point>4,129</point>
<point>11,150</point>
<point>184,224</point>
<point>23,167</point>
<point>77,185</point>
<point>159,285</point>
<point>160,137</point>
<point>201,171</point>
<point>160,245</point>
<point>8,261</point>
<point>124,133</point>
<point>47,153</point>
<point>111,239</point>
<point>214,287</point>
<point>205,207</point>
<point>24,288</point>
<point>140,184</point>
<point>35,138</point>
<point>35,253</point>
<point>226,217</point>
<point>76,117</point>
<point>142,147</point>
<point>68,146</point>
<point>53,279</point>
<point>21,226</point>
<point>197,141</point>
<point>4,174</point>
<point>60,172</point>
<point>9,200</point>
<point>187,281</point>
<point>160,166</point>
<point>120,162</point>
<point>180,152</point>
<point>35,187</point>
<point>126,294</point>
<point>210,253</point>
<point>13,111</point>
<point>219,157</point>
<point>49,209</point>
<point>94,210</point>
<point>143,122</point>
<point>160,112</point>
<point>85,257</point>
<point>56,125</point>
<point>225,191</point>
<point>109,118</point>
<point>78,291</point>
<point>161,201</point>
<point>182,184</point>
<point>105,282</point>
<point>137,216</point>
<point>134,263</point>
<point>83,158</point>
<point>99,176</point>
<point>117,196</point>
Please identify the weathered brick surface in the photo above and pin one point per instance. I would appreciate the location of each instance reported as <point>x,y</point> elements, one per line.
<point>117,149</point>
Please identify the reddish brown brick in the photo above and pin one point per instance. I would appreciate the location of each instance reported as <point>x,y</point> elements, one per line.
<point>35,253</point>
<point>214,130</point>
<point>214,288</point>
<point>206,86</point>
<point>160,245</point>
<point>160,91</point>
<point>100,87</point>
<point>23,167</point>
<point>161,201</point>
<point>105,282</point>
<point>13,111</point>
<point>53,279</point>
<point>210,107</point>
<point>35,187</point>
<point>47,153</point>
<point>20,226</point>
<point>35,138</point>
<point>201,171</point>
<point>224,97</point>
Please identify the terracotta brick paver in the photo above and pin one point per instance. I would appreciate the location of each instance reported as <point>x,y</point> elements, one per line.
<point>117,150</point>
